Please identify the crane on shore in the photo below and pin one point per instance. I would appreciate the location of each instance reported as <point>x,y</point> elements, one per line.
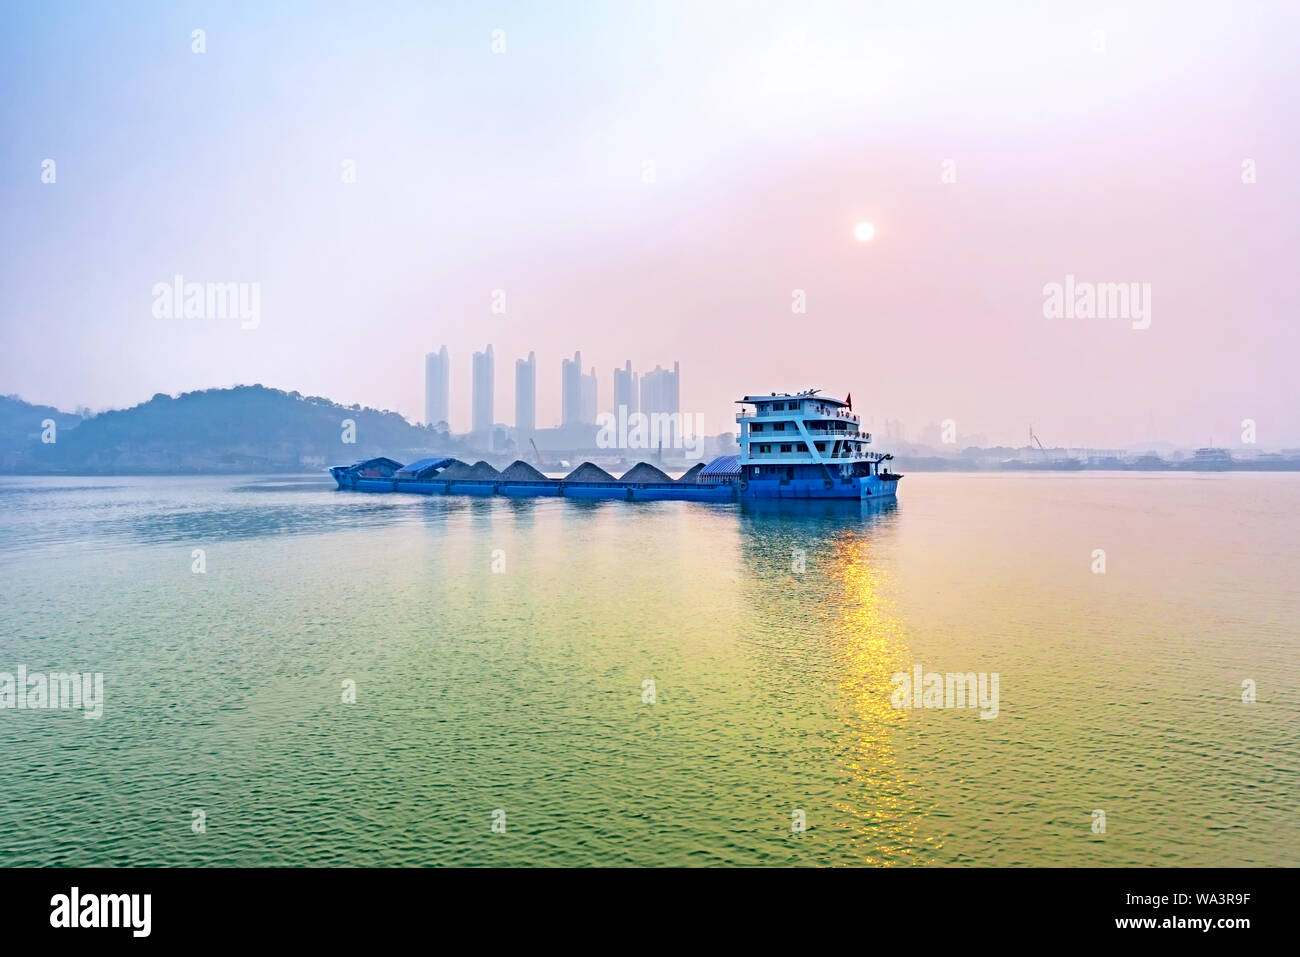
<point>1034,439</point>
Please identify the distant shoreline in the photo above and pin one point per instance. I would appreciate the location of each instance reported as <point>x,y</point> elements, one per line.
<point>900,466</point>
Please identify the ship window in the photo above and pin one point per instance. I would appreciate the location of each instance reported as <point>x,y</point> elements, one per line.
<point>756,427</point>
<point>786,448</point>
<point>765,448</point>
<point>821,446</point>
<point>778,426</point>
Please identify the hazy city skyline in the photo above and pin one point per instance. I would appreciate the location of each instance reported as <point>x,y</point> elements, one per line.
<point>668,180</point>
<point>657,391</point>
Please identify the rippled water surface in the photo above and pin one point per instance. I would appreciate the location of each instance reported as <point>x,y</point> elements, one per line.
<point>522,689</point>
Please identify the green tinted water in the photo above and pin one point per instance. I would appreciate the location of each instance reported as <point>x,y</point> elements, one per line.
<point>522,690</point>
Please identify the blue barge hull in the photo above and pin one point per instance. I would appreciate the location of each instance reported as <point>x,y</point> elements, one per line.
<point>626,491</point>
<point>862,488</point>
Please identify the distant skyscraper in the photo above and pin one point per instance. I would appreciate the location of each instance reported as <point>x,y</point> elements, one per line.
<point>661,393</point>
<point>661,390</point>
<point>437,388</point>
<point>571,390</point>
<point>526,393</point>
<point>481,420</point>
<point>625,389</point>
<point>589,398</point>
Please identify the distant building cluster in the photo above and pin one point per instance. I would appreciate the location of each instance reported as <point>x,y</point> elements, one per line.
<point>657,391</point>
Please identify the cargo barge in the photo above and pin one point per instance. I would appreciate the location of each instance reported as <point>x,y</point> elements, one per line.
<point>800,446</point>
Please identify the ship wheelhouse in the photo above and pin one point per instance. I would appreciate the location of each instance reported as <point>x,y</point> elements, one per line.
<point>785,437</point>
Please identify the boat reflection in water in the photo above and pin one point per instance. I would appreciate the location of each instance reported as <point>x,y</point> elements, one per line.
<point>819,564</point>
<point>837,511</point>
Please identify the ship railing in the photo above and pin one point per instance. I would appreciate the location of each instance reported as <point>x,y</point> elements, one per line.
<point>837,434</point>
<point>799,413</point>
<point>807,456</point>
<point>784,435</point>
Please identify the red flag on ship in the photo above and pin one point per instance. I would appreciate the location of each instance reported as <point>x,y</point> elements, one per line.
<point>850,401</point>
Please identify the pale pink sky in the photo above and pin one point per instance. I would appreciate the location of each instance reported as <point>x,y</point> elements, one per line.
<point>773,129</point>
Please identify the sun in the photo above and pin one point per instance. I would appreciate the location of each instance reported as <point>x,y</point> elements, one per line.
<point>864,232</point>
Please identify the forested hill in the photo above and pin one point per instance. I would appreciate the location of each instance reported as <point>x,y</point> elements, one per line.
<point>244,429</point>
<point>21,423</point>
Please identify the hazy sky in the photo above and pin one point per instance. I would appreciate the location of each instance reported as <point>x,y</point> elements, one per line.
<point>772,129</point>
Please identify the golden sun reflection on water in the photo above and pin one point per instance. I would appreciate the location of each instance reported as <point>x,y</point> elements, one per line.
<point>880,801</point>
